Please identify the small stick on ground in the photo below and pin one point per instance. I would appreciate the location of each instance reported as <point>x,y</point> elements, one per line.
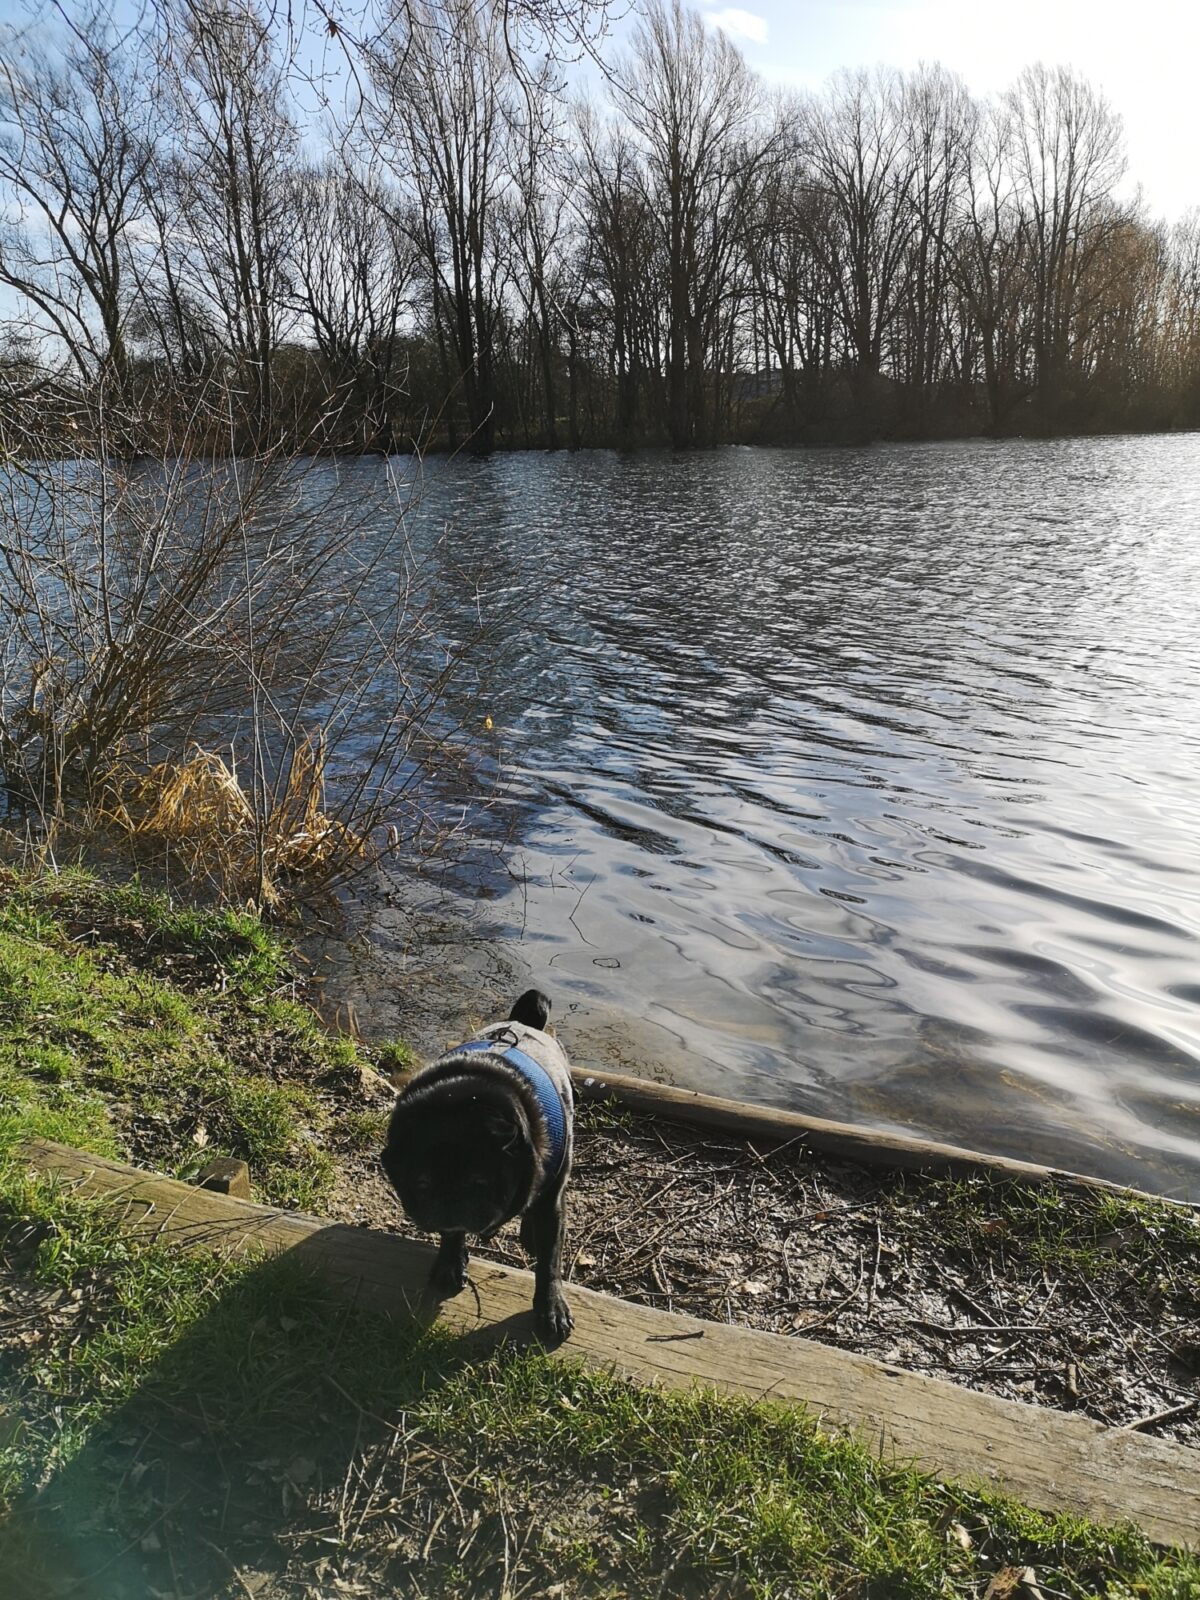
<point>1141,1423</point>
<point>875,1271</point>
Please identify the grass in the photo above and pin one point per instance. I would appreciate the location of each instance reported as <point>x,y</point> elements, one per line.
<point>133,1027</point>
<point>180,1425</point>
<point>1116,1243</point>
<point>189,1423</point>
<point>198,809</point>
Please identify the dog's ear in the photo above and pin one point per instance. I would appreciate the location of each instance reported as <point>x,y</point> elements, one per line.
<point>506,1127</point>
<point>532,1008</point>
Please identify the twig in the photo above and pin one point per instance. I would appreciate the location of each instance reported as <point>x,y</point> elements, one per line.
<point>229,1562</point>
<point>578,903</point>
<point>841,1305</point>
<point>980,1311</point>
<point>433,1532</point>
<point>1160,1416</point>
<point>971,1329</point>
<point>875,1271</point>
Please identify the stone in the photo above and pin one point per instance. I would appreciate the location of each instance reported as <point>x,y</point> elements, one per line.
<point>225,1176</point>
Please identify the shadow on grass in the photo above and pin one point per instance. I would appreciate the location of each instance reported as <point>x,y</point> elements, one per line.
<point>268,1438</point>
<point>251,1454</point>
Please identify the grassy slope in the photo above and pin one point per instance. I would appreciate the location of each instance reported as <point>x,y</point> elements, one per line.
<point>132,1027</point>
<point>193,1425</point>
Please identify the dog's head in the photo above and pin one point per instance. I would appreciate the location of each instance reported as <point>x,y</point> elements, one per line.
<point>461,1156</point>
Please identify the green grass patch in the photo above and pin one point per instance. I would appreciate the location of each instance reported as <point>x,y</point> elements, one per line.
<point>132,1027</point>
<point>394,1058</point>
<point>360,1130</point>
<point>1152,1246</point>
<point>194,945</point>
<point>186,1421</point>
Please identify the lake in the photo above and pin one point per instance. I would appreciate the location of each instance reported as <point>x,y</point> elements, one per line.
<point>865,780</point>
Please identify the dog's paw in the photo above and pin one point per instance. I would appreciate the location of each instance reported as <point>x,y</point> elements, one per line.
<point>449,1274</point>
<point>553,1318</point>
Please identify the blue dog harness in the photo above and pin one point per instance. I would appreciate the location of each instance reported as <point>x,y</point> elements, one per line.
<point>548,1098</point>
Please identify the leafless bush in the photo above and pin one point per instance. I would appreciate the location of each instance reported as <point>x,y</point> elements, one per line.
<point>190,646</point>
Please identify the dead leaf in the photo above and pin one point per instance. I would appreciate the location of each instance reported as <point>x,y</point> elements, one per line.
<point>1014,1583</point>
<point>1005,1584</point>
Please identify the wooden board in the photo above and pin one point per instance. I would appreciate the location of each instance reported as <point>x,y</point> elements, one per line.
<point>1046,1458</point>
<point>841,1139</point>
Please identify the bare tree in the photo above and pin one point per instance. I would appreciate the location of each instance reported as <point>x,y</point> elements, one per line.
<point>990,264</point>
<point>442,116</point>
<point>174,324</point>
<point>237,146</point>
<point>76,140</point>
<point>353,271</point>
<point>1068,156</point>
<point>693,107</point>
<point>621,261</point>
<point>856,146</point>
<point>1119,353</point>
<point>1181,317</point>
<point>938,116</point>
<point>794,305</point>
<point>537,215</point>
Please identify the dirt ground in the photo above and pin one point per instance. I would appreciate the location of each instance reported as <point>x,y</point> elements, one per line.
<point>1051,1296</point>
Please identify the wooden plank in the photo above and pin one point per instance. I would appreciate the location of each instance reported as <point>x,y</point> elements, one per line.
<point>840,1139</point>
<point>1046,1458</point>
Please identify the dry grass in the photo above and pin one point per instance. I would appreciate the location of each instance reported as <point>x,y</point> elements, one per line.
<point>199,809</point>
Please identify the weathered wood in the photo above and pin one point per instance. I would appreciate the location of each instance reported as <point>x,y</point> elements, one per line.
<point>1047,1458</point>
<point>841,1139</point>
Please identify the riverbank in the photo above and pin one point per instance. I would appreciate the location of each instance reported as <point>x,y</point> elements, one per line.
<point>164,1036</point>
<point>178,1425</point>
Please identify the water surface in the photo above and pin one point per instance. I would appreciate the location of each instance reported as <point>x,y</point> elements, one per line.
<point>868,776</point>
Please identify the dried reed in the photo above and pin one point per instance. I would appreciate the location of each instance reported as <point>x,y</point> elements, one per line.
<point>199,810</point>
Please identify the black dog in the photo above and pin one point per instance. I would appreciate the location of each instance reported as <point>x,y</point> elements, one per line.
<point>484,1135</point>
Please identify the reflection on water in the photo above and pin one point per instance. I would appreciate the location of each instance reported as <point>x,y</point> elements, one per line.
<point>870,775</point>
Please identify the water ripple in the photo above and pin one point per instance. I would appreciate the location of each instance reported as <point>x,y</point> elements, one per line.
<point>871,775</point>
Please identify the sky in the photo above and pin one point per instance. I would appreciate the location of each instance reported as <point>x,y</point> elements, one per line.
<point>1143,54</point>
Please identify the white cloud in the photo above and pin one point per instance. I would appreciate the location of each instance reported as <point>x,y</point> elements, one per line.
<point>739,24</point>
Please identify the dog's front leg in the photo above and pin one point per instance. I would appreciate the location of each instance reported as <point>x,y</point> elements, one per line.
<point>542,1235</point>
<point>449,1274</point>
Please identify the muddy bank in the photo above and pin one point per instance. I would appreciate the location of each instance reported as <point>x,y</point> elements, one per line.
<point>183,1035</point>
<point>1045,1294</point>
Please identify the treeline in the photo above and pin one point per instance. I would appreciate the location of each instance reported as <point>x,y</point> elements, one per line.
<point>450,250</point>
